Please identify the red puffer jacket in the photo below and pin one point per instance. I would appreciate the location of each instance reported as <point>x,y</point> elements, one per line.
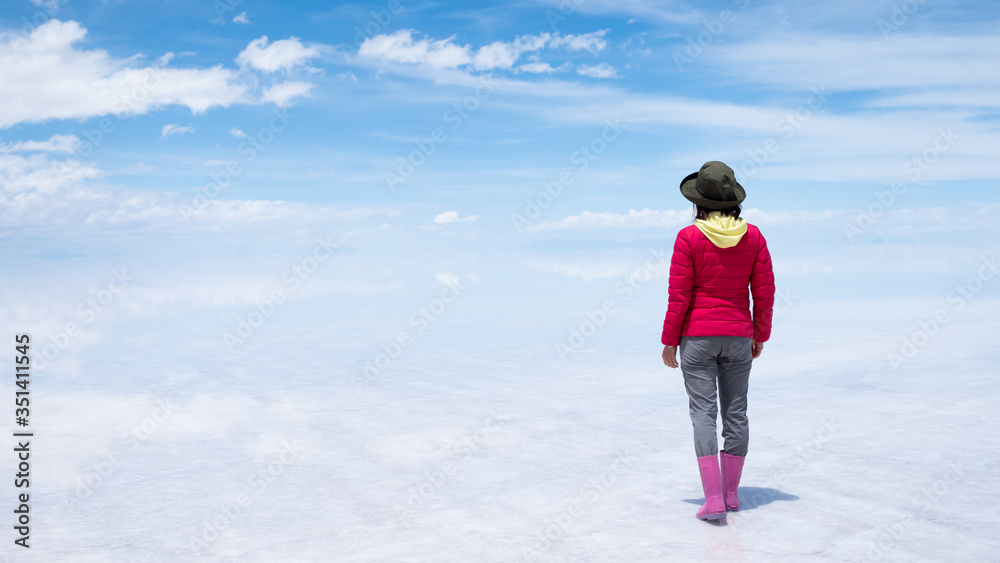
<point>708,288</point>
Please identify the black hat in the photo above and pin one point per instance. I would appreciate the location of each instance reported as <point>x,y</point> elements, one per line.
<point>714,187</point>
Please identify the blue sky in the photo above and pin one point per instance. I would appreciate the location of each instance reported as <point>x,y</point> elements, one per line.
<point>314,109</point>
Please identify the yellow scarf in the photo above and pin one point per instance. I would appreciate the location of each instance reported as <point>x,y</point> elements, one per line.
<point>724,231</point>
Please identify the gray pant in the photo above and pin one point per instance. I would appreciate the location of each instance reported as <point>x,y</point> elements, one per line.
<point>706,360</point>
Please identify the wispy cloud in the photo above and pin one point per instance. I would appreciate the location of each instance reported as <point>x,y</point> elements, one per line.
<point>453,217</point>
<point>848,63</point>
<point>56,143</point>
<point>587,270</point>
<point>30,177</point>
<point>541,68</point>
<point>175,129</point>
<point>603,70</point>
<point>401,47</point>
<point>281,94</point>
<point>903,221</point>
<point>137,169</point>
<point>592,42</point>
<point>663,11</point>
<point>644,219</point>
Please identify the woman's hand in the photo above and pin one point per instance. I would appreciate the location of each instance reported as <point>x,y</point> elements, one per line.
<point>756,348</point>
<point>670,356</point>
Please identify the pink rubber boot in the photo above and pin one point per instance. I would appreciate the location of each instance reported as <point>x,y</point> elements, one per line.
<point>714,507</point>
<point>732,470</point>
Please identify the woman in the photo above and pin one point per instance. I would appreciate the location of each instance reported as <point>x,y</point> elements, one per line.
<point>709,318</point>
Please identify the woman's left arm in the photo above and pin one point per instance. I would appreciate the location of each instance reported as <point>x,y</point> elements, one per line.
<point>762,289</point>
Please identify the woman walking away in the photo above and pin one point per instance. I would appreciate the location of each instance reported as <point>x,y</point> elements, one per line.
<point>714,263</point>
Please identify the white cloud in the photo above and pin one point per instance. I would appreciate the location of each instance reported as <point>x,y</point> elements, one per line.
<point>401,48</point>
<point>587,270</point>
<point>284,54</point>
<point>843,63</point>
<point>175,129</point>
<point>56,143</point>
<point>281,94</point>
<point>90,83</point>
<point>832,144</point>
<point>540,68</point>
<point>603,70</point>
<point>668,11</point>
<point>644,219</point>
<point>237,132</point>
<point>528,43</point>
<point>138,169</point>
<point>241,18</point>
<point>347,77</point>
<point>448,279</point>
<point>895,222</point>
<point>592,42</point>
<point>672,219</point>
<point>39,192</point>
<point>38,174</point>
<point>452,217</point>
<point>978,98</point>
<point>495,55</point>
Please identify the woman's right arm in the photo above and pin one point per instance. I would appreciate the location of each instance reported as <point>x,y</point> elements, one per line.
<point>681,283</point>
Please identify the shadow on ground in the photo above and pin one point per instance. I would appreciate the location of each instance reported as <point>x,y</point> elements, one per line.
<point>754,497</point>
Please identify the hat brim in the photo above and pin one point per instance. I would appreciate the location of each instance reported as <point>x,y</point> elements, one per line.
<point>691,194</point>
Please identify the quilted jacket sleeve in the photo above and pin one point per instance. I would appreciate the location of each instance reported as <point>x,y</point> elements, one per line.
<point>681,283</point>
<point>762,289</point>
